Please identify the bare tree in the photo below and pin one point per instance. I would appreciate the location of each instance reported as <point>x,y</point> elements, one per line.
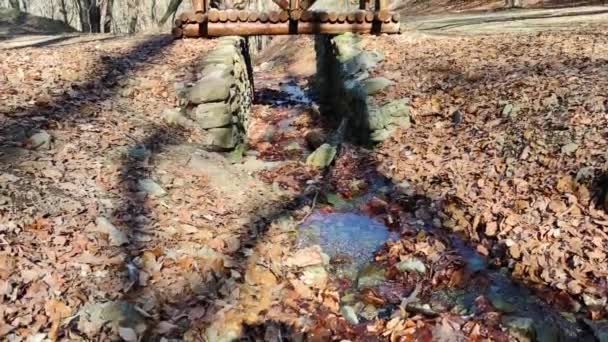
<point>171,10</point>
<point>15,4</point>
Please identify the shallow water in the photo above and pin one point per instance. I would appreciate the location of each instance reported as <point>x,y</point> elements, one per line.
<point>357,237</point>
<point>351,234</point>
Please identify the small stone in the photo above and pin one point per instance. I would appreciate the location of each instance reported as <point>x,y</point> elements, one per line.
<point>520,325</point>
<point>314,276</point>
<point>174,116</point>
<point>116,236</point>
<point>569,148</point>
<point>40,140</point>
<point>380,135</point>
<point>213,114</point>
<point>315,138</point>
<point>151,187</point>
<point>500,304</point>
<point>457,117</point>
<point>322,157</point>
<point>349,314</point>
<point>139,152</point>
<point>293,146</point>
<point>375,84</point>
<point>370,276</point>
<point>599,328</point>
<point>423,309</point>
<point>369,312</point>
<point>594,302</point>
<point>210,89</point>
<point>412,265</point>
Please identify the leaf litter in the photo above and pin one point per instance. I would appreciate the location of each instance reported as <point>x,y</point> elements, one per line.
<point>198,262</point>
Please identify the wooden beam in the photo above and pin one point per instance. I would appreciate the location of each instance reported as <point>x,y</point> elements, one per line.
<point>198,6</point>
<point>258,28</point>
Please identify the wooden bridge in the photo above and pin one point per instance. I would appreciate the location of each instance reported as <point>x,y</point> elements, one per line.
<point>293,18</point>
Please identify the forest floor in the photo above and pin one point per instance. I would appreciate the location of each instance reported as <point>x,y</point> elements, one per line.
<point>483,220</point>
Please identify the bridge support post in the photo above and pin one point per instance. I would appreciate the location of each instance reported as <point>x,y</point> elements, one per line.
<point>199,6</point>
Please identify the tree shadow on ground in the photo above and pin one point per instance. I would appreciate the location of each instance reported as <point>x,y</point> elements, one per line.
<point>67,106</point>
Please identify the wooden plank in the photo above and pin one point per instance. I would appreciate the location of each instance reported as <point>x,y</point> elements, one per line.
<point>342,17</point>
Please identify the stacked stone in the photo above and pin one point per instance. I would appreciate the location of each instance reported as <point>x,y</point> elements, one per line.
<point>220,101</point>
<point>349,84</point>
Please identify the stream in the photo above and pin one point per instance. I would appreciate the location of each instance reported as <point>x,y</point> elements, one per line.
<point>350,239</point>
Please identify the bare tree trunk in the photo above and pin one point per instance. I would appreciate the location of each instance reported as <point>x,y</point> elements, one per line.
<point>15,4</point>
<point>103,8</point>
<point>64,11</point>
<point>171,9</point>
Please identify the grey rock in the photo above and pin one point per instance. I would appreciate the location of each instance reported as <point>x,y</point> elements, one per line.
<point>520,325</point>
<point>375,84</point>
<point>213,114</point>
<point>370,276</point>
<point>314,276</point>
<point>210,89</point>
<point>396,108</point>
<point>500,303</point>
<point>369,312</point>
<point>174,116</point>
<point>40,140</point>
<point>362,62</point>
<point>599,328</point>
<point>569,148</point>
<point>400,121</point>
<point>138,152</point>
<point>149,186</point>
<point>380,135</point>
<point>218,70</point>
<point>116,236</point>
<point>423,309</point>
<point>349,314</point>
<point>412,265</point>
<point>457,117</point>
<point>222,138</point>
<point>322,156</point>
<point>93,316</point>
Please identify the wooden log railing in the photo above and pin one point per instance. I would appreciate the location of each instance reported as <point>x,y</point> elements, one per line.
<point>295,19</point>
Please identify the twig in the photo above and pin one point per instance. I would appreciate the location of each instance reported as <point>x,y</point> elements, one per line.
<point>312,207</point>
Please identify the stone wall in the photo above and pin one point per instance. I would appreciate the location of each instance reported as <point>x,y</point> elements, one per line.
<point>344,86</point>
<point>219,102</point>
